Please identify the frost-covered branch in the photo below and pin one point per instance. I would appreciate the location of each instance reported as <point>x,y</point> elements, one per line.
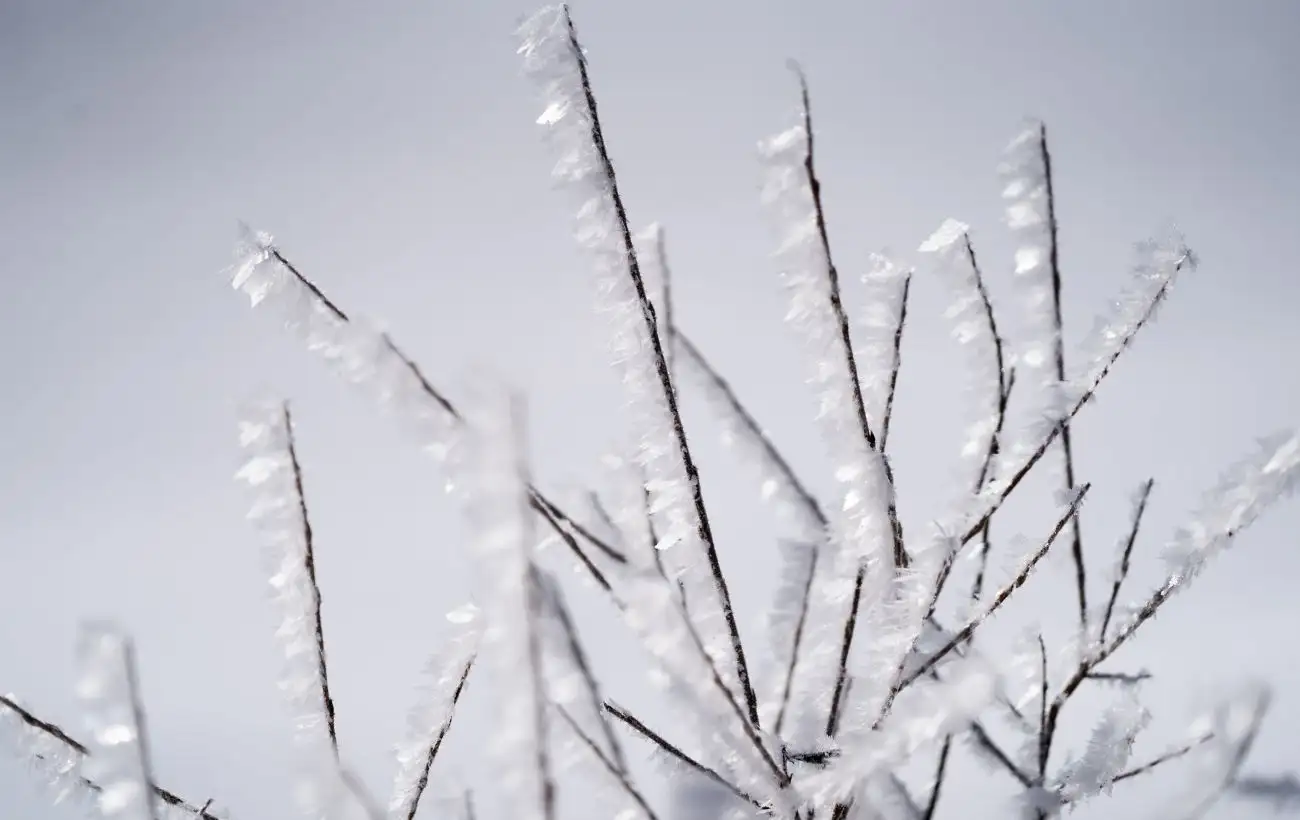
<point>555,59</point>
<point>429,722</point>
<point>1136,310</point>
<point>279,512</point>
<point>369,358</point>
<point>1126,554</point>
<point>59,757</point>
<point>617,770</point>
<point>675,752</point>
<point>975,328</point>
<point>1031,213</point>
<point>1017,581</point>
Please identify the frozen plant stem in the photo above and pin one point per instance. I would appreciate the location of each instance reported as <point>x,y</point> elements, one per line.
<point>628,252</point>
<point>1067,446</point>
<point>309,564</point>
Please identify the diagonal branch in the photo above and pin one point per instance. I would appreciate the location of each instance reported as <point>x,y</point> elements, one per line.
<point>1003,594</point>
<point>79,751</point>
<point>1007,487</point>
<point>675,752</point>
<point>1139,510</point>
<point>616,769</point>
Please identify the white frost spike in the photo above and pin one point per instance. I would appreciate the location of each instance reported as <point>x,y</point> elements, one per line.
<point>554,60</point>
<point>278,513</point>
<point>884,293</point>
<point>361,355</point>
<point>1241,496</point>
<point>494,483</point>
<point>1107,754</point>
<point>118,759</point>
<point>428,723</point>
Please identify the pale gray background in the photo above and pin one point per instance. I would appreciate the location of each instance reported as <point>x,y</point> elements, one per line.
<point>390,147</point>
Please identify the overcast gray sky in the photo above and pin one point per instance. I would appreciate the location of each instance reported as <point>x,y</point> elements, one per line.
<point>391,149</point>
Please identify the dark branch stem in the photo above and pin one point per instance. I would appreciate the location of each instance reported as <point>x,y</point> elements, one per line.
<point>1143,495</point>
<point>309,564</point>
<point>1067,448</point>
<point>704,531</point>
<point>627,719</point>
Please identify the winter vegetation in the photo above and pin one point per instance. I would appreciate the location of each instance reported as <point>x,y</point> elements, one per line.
<point>870,677</point>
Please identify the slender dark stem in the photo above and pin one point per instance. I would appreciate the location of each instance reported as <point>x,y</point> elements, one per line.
<point>704,531</point>
<point>841,317</point>
<point>896,366</point>
<point>627,719</point>
<point>538,501</point>
<point>940,771</point>
<point>617,770</point>
<point>1043,745</point>
<point>846,646</point>
<point>1160,760</point>
<point>1003,594</point>
<point>309,564</point>
<point>796,640</point>
<point>554,598</point>
<point>54,732</point>
<point>435,745</point>
<point>755,430</point>
<point>1143,495</point>
<point>1006,382</point>
<point>1005,491</point>
<point>544,509</point>
<point>1067,448</point>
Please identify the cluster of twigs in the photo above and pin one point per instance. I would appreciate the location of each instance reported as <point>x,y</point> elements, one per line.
<point>639,561</point>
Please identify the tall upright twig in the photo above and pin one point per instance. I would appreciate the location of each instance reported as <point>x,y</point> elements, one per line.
<point>553,32</point>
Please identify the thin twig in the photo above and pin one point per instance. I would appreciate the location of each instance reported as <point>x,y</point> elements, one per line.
<point>896,366</point>
<point>1138,512</point>
<point>1003,594</point>
<point>559,609</point>
<point>1024,469</point>
<point>435,744</point>
<point>1160,760</point>
<point>1067,448</point>
<point>1006,382</point>
<point>941,769</point>
<point>537,499</point>
<point>616,769</point>
<point>309,565</point>
<point>841,317</point>
<point>676,753</point>
<point>704,531</point>
<point>56,733</point>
